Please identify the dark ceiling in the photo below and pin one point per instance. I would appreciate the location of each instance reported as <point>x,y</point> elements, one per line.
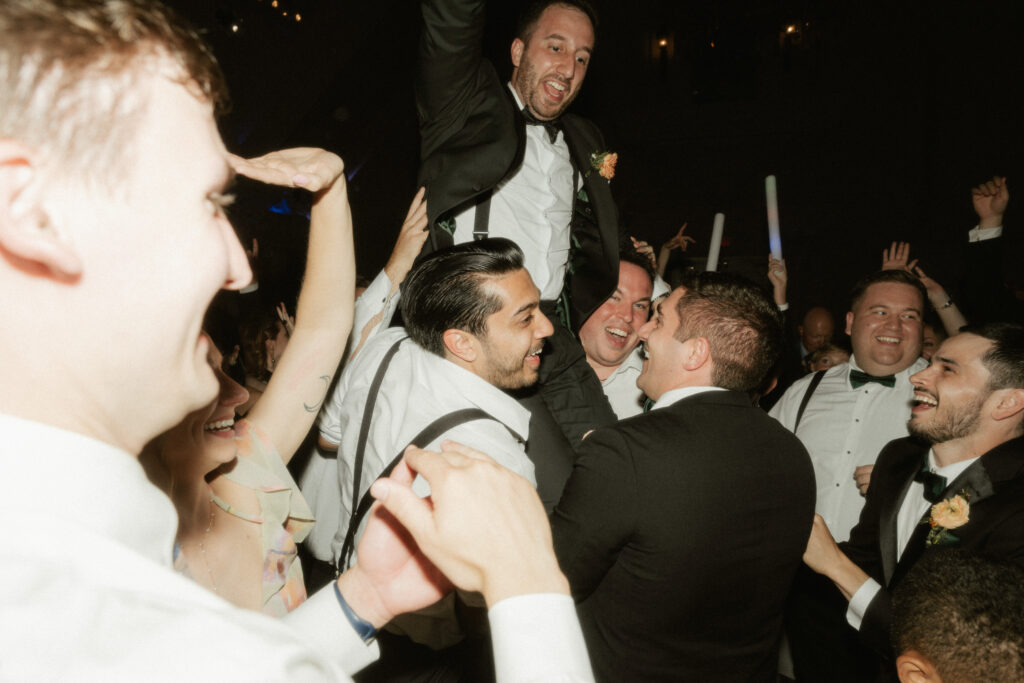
<point>877,118</point>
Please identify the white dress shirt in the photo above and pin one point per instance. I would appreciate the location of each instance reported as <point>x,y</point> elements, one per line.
<point>673,395</point>
<point>844,428</point>
<point>620,387</point>
<point>532,207</point>
<point>91,595</point>
<point>912,509</point>
<point>419,387</point>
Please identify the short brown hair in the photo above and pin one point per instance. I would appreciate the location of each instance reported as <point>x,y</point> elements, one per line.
<point>68,68</point>
<point>741,324</point>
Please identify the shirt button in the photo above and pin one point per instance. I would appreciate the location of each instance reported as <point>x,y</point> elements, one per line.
<point>856,420</point>
<point>837,485</point>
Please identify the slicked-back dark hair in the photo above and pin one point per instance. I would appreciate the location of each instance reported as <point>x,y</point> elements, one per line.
<point>529,17</point>
<point>1005,360</point>
<point>447,290</point>
<point>901,277</point>
<point>965,614</point>
<point>741,324</point>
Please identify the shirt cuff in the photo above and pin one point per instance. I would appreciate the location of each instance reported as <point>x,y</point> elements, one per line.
<point>860,601</point>
<point>980,234</point>
<point>322,625</point>
<point>538,638</point>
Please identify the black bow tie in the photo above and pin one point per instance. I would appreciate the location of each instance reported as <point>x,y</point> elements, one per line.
<point>552,127</point>
<point>859,379</point>
<point>934,484</point>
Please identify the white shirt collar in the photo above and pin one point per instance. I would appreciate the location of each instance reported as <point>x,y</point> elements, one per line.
<point>950,472</point>
<point>674,395</point>
<point>84,483</point>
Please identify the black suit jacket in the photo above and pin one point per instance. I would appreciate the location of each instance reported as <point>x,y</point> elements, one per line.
<point>680,531</point>
<point>995,485</point>
<point>472,136</point>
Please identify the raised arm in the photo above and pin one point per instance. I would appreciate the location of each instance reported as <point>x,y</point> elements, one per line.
<point>897,257</point>
<point>323,317</point>
<point>990,200</point>
<point>678,241</point>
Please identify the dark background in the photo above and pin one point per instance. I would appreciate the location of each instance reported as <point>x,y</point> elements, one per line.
<point>876,118</point>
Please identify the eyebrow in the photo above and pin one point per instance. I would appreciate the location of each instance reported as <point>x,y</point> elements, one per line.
<point>559,36</point>
<point>524,308</point>
<point>947,361</point>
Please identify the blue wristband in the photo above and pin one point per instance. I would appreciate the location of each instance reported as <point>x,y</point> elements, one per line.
<point>363,628</point>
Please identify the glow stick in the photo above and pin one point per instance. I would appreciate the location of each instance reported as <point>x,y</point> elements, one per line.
<point>716,242</point>
<point>774,237</point>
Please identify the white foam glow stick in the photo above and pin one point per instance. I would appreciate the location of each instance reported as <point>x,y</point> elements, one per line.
<point>716,242</point>
<point>774,237</point>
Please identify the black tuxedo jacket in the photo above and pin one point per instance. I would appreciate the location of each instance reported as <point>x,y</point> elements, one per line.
<point>472,136</point>
<point>680,531</point>
<point>995,528</point>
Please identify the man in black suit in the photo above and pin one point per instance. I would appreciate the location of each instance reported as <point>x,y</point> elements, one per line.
<point>503,159</point>
<point>680,529</point>
<point>957,481</point>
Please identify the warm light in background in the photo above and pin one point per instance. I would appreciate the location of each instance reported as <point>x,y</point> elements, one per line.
<point>790,28</point>
<point>663,42</point>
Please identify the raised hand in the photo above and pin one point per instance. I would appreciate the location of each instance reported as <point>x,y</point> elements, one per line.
<point>895,257</point>
<point>990,200</point>
<point>410,240</point>
<point>679,241</point>
<point>307,167</point>
<point>645,249</point>
<point>286,320</point>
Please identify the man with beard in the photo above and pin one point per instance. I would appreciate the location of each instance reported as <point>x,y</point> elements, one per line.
<point>681,528</point>
<point>957,481</point>
<point>505,159</point>
<point>473,329</point>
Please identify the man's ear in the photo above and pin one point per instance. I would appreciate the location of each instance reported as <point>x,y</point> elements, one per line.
<point>849,322</point>
<point>696,353</point>
<point>1009,404</point>
<point>27,237</point>
<point>914,667</point>
<point>460,344</point>
<point>517,52</point>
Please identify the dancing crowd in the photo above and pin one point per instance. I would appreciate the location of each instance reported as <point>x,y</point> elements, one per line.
<point>527,450</point>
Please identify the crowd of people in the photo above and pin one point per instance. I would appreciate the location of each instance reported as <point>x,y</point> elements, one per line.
<point>527,449</point>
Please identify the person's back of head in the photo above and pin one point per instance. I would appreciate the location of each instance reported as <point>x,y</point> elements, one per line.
<point>959,618</point>
<point>741,324</point>
<point>447,290</point>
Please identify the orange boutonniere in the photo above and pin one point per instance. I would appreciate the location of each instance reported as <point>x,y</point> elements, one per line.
<point>604,163</point>
<point>951,513</point>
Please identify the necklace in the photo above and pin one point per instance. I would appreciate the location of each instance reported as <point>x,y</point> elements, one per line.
<point>202,546</point>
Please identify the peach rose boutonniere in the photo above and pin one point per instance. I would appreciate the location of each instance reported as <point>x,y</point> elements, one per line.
<point>604,164</point>
<point>951,513</point>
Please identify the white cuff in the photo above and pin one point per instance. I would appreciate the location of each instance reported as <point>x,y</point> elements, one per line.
<point>538,638</point>
<point>324,627</point>
<point>860,601</point>
<point>980,234</point>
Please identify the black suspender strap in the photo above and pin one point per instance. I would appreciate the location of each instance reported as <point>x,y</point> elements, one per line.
<point>428,434</point>
<point>482,217</point>
<point>815,381</point>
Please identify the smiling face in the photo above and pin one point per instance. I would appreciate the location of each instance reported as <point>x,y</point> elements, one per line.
<point>610,333</point>
<point>550,68</point>
<point>949,394</point>
<point>509,352</point>
<point>205,439</point>
<point>885,328</point>
<point>663,363</point>
<point>155,248</point>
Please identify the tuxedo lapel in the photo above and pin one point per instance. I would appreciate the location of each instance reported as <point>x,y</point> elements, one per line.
<point>887,521</point>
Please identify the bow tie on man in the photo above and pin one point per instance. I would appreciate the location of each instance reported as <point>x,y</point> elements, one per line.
<point>552,127</point>
<point>859,379</point>
<point>934,484</point>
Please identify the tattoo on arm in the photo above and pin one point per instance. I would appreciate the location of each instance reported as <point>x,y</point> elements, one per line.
<point>316,406</point>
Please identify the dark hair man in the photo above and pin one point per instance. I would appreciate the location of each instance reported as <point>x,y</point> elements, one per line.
<point>609,336</point>
<point>472,316</point>
<point>681,528</point>
<point>113,241</point>
<point>855,408</point>
<point>959,617</point>
<point>956,481</point>
<point>505,159</point>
